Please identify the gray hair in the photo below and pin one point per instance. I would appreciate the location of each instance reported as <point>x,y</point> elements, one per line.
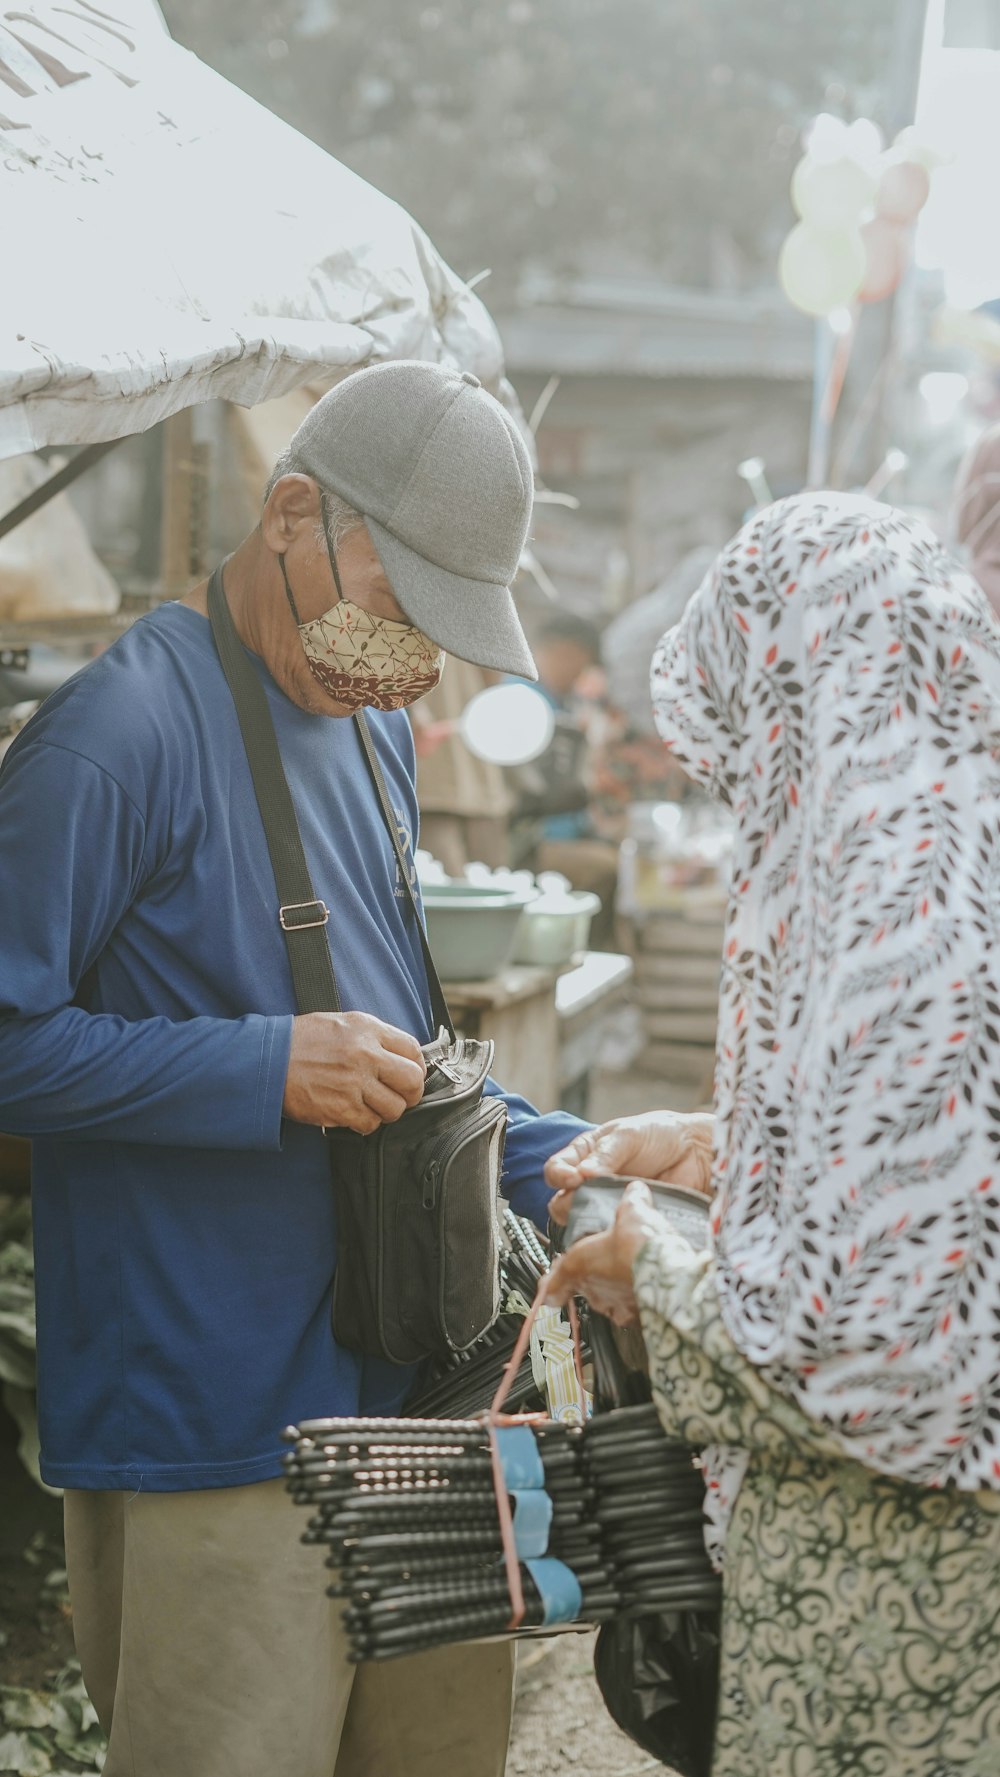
<point>342,519</point>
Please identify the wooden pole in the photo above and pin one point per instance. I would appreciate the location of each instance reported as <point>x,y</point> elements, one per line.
<point>819,428</point>
<point>177,520</point>
<point>875,366</point>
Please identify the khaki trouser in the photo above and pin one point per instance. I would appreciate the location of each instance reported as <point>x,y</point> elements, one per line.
<point>210,1649</point>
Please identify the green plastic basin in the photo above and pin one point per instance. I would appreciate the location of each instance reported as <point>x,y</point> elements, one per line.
<point>471,930</point>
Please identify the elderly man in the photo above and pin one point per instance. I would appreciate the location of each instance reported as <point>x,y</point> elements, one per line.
<point>185,1222</point>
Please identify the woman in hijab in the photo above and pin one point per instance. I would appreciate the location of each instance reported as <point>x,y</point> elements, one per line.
<point>836,683</point>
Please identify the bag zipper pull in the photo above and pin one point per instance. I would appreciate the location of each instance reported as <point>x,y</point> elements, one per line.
<point>430,1184</point>
<point>449,1071</point>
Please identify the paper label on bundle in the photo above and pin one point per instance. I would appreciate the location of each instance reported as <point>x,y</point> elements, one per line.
<point>553,1366</point>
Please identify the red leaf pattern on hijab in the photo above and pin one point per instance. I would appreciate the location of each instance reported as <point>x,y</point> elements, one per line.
<point>836,682</point>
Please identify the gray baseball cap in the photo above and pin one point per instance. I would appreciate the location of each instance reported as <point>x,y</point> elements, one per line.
<point>442,477</point>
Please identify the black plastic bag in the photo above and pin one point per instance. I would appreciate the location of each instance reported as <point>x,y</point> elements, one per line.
<point>659,1677</point>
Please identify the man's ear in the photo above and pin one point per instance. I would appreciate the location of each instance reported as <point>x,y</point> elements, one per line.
<point>292,508</point>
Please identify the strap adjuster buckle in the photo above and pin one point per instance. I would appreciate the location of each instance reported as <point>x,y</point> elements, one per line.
<point>303,925</point>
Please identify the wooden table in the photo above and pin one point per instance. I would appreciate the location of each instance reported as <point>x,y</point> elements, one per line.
<point>547,1024</point>
<point>586,1001</point>
<point>517,1009</point>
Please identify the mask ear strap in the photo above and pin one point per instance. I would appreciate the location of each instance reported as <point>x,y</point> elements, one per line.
<point>329,546</point>
<point>288,590</point>
<point>333,564</point>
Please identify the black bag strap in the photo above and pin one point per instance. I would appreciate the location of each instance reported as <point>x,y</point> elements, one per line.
<point>303,916</point>
<point>407,870</point>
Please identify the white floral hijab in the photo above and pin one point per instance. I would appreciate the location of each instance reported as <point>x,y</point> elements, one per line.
<point>836,681</point>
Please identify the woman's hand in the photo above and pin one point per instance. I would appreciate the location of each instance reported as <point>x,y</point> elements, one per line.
<point>661,1145</point>
<point>599,1267</point>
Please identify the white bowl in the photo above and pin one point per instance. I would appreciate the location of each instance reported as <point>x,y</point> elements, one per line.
<point>550,937</point>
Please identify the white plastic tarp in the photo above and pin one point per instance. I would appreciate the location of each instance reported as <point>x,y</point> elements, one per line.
<point>165,240</point>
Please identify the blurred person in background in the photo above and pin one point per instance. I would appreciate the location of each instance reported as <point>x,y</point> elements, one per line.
<point>465,802</point>
<point>566,647</point>
<point>555,793</point>
<point>834,1353</point>
<point>630,762</point>
<point>976,512</point>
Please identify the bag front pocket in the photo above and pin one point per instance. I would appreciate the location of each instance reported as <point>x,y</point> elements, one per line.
<point>419,1231</point>
<point>461,1193</point>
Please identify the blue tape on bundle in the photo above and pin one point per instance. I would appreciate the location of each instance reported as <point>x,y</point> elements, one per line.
<point>532,1518</point>
<point>520,1458</point>
<point>559,1590</point>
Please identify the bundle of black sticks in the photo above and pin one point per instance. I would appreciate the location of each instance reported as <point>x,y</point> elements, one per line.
<point>407,1511</point>
<point>463,1384</point>
<point>648,1499</point>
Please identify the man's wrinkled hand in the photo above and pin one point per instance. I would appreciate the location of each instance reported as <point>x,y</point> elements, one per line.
<point>348,1070</point>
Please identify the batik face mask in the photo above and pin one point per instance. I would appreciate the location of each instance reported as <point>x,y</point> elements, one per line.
<point>362,660</point>
<point>365,661</point>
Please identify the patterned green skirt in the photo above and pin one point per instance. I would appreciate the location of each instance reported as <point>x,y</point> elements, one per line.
<point>861,1616</point>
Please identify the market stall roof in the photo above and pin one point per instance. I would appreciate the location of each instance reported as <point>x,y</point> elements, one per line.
<point>166,240</point>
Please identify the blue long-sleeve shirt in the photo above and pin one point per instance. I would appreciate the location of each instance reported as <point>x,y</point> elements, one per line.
<point>185,1235</point>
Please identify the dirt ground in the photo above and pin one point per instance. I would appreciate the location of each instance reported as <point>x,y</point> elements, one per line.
<point>560,1722</point>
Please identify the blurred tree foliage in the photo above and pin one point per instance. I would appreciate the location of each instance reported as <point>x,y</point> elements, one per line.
<point>565,134</point>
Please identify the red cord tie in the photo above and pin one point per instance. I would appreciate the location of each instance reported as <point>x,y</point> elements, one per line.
<point>514,1473</point>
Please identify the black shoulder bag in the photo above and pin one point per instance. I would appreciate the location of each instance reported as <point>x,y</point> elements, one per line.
<point>418,1202</point>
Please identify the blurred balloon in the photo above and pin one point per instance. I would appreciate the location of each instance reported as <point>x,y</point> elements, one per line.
<point>887,252</point>
<point>821,269</point>
<point>863,141</point>
<point>825,137</point>
<point>902,191</point>
<point>832,193</point>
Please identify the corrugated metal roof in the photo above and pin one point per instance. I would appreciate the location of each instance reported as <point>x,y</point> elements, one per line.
<point>167,240</point>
